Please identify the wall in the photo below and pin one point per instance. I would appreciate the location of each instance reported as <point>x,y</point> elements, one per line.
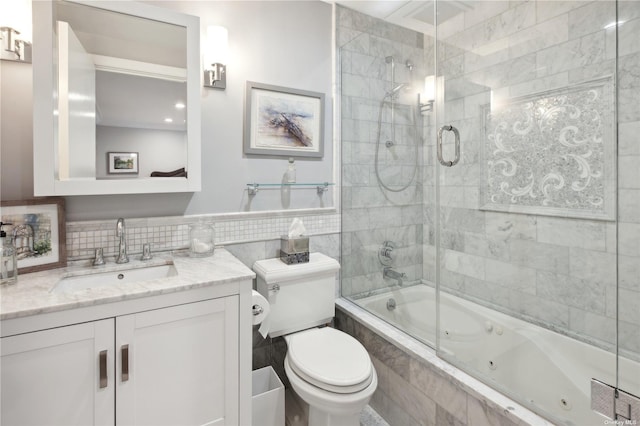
<point>559,272</point>
<point>371,214</point>
<point>158,150</point>
<point>280,43</point>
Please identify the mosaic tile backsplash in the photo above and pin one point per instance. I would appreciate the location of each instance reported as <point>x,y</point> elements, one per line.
<point>172,233</point>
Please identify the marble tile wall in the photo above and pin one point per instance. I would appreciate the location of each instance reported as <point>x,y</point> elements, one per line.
<point>372,215</point>
<point>555,271</point>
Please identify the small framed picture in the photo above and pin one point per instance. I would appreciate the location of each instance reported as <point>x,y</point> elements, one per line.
<point>283,122</point>
<point>119,163</point>
<point>37,228</point>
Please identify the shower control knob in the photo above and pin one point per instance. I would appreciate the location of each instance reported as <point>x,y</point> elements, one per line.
<point>385,254</point>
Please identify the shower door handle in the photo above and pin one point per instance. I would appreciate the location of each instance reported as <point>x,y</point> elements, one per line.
<point>457,146</point>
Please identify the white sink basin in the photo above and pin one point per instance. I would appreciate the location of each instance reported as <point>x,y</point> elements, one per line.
<point>106,279</point>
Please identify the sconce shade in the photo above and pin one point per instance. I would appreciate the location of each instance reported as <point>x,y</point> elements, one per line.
<point>215,57</point>
<point>15,30</point>
<point>217,45</point>
<point>427,98</point>
<point>16,14</point>
<point>429,88</point>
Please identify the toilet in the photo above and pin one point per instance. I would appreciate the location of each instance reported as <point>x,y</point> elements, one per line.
<point>329,371</point>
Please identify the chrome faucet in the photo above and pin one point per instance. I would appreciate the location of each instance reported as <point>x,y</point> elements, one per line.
<point>387,272</point>
<point>122,247</point>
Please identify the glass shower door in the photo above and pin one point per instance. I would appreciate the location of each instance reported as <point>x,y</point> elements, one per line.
<point>527,231</point>
<point>628,300</point>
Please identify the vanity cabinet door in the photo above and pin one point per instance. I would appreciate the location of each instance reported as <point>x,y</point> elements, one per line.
<point>179,365</point>
<point>53,377</point>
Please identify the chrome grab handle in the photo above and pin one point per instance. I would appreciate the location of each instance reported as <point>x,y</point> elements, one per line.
<point>102,366</point>
<point>442,161</point>
<point>124,351</point>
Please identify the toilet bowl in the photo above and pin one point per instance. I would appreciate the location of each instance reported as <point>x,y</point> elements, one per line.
<point>329,371</point>
<point>332,373</point>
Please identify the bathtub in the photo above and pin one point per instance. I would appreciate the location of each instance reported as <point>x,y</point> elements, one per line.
<point>548,372</point>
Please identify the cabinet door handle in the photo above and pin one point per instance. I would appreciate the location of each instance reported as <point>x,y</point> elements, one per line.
<point>124,352</point>
<point>102,361</point>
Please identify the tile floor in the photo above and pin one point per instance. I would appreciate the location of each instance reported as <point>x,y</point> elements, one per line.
<point>370,418</point>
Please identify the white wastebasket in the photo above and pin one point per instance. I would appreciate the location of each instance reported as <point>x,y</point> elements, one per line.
<point>267,398</point>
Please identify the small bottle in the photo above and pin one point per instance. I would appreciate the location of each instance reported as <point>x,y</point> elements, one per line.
<point>291,171</point>
<point>8,263</point>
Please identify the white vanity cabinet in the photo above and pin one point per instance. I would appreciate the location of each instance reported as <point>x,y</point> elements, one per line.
<point>182,365</point>
<point>176,365</point>
<point>52,376</point>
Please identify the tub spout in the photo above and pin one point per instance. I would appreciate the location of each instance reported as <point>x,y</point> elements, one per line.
<point>387,272</point>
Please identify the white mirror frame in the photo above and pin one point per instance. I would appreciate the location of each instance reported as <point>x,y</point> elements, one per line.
<point>44,125</point>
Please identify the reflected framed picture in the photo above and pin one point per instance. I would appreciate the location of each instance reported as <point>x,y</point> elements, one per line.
<point>37,228</point>
<point>283,122</point>
<point>119,163</point>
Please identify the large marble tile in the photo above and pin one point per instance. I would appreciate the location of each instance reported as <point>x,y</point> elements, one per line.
<point>439,389</point>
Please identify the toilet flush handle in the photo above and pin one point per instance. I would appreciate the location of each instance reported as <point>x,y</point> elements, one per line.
<point>275,288</point>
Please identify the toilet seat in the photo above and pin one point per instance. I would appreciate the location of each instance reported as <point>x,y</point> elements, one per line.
<point>330,359</point>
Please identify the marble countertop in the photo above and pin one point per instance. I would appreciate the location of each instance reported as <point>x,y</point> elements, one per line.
<point>35,293</point>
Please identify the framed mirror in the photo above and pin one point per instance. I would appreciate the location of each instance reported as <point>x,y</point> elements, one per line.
<point>114,79</point>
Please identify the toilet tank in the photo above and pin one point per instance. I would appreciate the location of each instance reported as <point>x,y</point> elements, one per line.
<point>300,296</point>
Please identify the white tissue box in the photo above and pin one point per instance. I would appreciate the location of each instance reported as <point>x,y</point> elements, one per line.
<point>294,249</point>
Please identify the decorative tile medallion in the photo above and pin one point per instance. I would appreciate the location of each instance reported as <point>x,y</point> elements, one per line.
<point>552,153</point>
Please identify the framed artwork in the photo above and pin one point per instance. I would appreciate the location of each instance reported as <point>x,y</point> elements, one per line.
<point>283,122</point>
<point>119,163</point>
<point>37,228</point>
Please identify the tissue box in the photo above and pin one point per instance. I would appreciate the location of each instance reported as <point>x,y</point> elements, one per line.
<point>294,249</point>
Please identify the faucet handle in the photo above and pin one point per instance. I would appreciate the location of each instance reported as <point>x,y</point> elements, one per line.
<point>146,252</point>
<point>99,258</point>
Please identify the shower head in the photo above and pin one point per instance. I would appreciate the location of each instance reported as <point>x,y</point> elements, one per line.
<point>395,90</point>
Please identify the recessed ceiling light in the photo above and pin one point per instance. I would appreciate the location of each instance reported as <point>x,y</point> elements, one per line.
<point>180,105</point>
<point>168,120</point>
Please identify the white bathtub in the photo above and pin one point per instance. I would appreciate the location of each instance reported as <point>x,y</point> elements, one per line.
<point>544,370</point>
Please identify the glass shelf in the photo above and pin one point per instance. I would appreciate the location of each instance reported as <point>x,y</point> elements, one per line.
<point>252,188</point>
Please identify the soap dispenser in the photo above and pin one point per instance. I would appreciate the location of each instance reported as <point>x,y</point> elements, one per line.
<point>8,263</point>
<point>291,171</point>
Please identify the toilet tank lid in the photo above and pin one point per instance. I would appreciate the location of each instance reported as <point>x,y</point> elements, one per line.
<point>275,271</point>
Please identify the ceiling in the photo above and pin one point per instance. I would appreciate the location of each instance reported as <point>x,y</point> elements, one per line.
<point>418,15</point>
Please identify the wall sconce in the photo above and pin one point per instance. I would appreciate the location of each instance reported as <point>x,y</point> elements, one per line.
<point>215,57</point>
<point>15,31</point>
<point>429,94</point>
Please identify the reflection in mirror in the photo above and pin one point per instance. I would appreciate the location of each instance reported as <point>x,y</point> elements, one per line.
<point>121,88</point>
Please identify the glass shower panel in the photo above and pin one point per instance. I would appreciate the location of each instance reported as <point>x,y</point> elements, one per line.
<point>381,68</point>
<point>629,197</point>
<point>527,233</point>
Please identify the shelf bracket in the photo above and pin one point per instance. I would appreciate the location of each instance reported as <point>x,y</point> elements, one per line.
<point>252,188</point>
<point>323,188</point>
